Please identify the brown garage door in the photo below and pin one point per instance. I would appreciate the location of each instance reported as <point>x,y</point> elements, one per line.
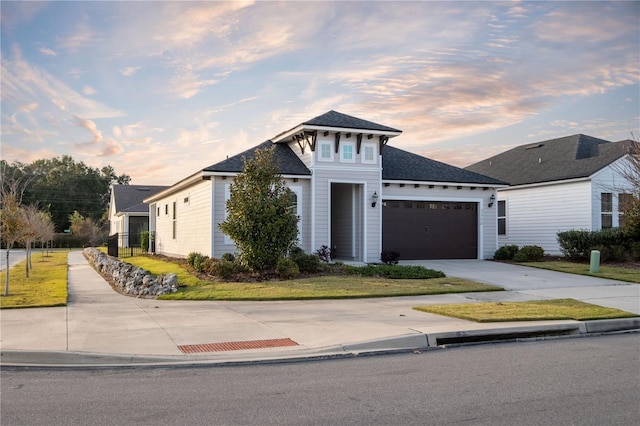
<point>430,229</point>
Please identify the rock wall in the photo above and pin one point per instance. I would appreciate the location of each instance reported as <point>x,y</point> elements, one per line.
<point>131,279</point>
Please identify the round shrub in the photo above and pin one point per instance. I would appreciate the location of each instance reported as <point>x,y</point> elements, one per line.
<point>529,254</point>
<point>230,257</point>
<point>287,268</point>
<point>195,259</point>
<point>505,252</point>
<point>307,263</point>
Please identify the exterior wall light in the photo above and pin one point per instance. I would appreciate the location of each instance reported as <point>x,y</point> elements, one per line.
<point>374,199</point>
<point>492,199</point>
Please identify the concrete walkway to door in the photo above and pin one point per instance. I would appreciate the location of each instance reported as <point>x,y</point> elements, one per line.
<point>524,283</point>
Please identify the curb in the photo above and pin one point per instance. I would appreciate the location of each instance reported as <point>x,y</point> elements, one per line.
<point>406,343</point>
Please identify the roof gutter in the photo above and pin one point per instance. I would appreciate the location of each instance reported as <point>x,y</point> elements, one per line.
<point>552,182</point>
<point>184,183</point>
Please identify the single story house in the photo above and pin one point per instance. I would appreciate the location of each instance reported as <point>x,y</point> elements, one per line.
<point>128,213</point>
<point>355,194</point>
<point>573,182</point>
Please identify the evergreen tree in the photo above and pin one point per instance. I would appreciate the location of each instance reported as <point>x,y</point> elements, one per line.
<point>261,214</point>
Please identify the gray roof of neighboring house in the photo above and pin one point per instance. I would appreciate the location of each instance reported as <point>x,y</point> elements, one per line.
<point>289,162</point>
<point>569,157</point>
<point>128,198</point>
<point>337,119</point>
<point>403,165</point>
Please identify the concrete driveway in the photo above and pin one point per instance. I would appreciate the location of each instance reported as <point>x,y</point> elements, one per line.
<point>541,283</point>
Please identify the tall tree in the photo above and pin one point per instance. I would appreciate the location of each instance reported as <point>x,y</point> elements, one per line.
<point>61,186</point>
<point>261,217</point>
<point>630,170</point>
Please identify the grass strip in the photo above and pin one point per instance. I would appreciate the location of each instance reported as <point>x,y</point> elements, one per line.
<point>534,310</point>
<point>610,272</point>
<point>320,287</point>
<point>46,285</point>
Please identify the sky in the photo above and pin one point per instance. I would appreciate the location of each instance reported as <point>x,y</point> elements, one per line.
<point>160,90</point>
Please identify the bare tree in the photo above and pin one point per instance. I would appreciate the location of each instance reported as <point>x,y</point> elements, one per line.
<point>630,171</point>
<point>11,225</point>
<point>46,230</point>
<point>30,227</point>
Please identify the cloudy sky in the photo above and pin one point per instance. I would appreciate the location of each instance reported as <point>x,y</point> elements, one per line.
<point>159,90</point>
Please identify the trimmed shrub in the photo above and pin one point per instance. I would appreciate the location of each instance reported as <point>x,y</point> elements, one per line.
<point>144,240</point>
<point>506,252</point>
<point>394,271</point>
<point>287,268</point>
<point>529,254</point>
<point>635,249</point>
<point>229,257</point>
<point>324,253</point>
<point>307,263</point>
<point>389,257</point>
<point>195,260</point>
<point>577,244</point>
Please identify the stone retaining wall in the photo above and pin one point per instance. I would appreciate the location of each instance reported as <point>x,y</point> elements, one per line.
<point>131,279</point>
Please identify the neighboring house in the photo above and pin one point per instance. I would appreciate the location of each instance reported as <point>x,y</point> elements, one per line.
<point>128,213</point>
<point>354,193</point>
<point>557,185</point>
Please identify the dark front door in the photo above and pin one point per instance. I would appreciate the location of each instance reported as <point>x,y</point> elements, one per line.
<point>430,229</point>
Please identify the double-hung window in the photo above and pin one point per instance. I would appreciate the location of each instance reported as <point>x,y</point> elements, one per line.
<point>606,210</point>
<point>502,217</point>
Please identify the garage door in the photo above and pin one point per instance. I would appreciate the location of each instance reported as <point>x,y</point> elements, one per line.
<point>430,229</point>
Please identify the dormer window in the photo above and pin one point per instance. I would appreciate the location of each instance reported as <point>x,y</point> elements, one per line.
<point>326,154</point>
<point>347,152</point>
<point>368,153</point>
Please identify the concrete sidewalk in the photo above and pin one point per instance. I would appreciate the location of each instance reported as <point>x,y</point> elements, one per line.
<point>104,327</point>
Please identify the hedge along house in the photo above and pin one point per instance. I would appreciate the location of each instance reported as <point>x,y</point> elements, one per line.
<point>353,192</point>
<point>573,182</point>
<point>128,213</point>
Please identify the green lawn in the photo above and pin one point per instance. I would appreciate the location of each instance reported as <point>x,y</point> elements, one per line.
<point>322,287</point>
<point>609,272</point>
<point>535,310</point>
<point>46,285</point>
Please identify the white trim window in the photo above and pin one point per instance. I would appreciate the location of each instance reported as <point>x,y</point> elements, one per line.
<point>325,151</point>
<point>347,152</point>
<point>297,191</point>
<point>368,153</point>
<point>606,210</point>
<point>502,217</point>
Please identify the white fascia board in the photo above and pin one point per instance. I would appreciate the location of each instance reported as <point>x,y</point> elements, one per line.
<point>184,183</point>
<point>234,174</point>
<point>550,183</point>
<point>285,136</point>
<point>422,182</point>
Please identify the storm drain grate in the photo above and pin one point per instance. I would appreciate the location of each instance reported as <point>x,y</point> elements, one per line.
<point>236,346</point>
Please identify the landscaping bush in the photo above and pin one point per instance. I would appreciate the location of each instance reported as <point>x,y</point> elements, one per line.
<point>307,263</point>
<point>635,249</point>
<point>287,268</point>
<point>227,269</point>
<point>394,271</point>
<point>389,257</point>
<point>506,252</point>
<point>529,254</point>
<point>230,257</point>
<point>144,240</point>
<point>195,260</point>
<point>577,244</point>
<point>324,253</point>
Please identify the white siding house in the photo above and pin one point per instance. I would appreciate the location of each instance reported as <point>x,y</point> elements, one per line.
<point>557,185</point>
<point>348,183</point>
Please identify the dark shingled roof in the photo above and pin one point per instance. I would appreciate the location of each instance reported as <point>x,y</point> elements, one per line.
<point>337,119</point>
<point>128,198</point>
<point>289,162</point>
<point>402,165</point>
<point>569,157</point>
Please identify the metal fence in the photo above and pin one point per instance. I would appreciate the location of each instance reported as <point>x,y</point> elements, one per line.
<point>128,245</point>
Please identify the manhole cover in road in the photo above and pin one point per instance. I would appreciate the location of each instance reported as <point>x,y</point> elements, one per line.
<point>236,346</point>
